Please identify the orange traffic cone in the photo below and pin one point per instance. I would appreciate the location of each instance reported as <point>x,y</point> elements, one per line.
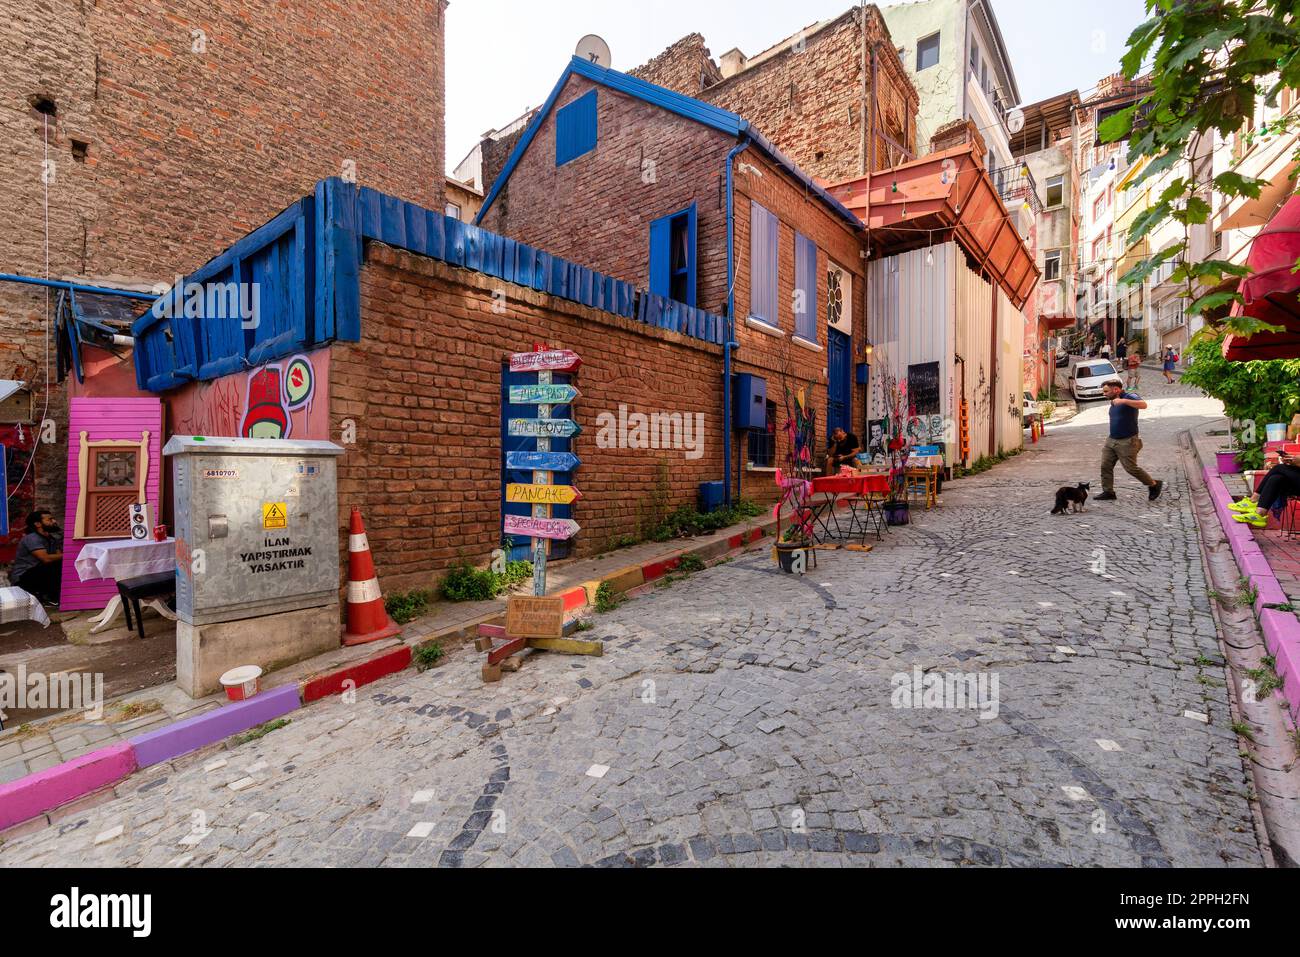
<point>367,618</point>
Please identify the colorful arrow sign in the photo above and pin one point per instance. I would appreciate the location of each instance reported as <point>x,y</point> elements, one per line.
<point>545,428</point>
<point>543,494</point>
<point>542,461</point>
<point>555,529</point>
<point>558,360</point>
<point>543,394</point>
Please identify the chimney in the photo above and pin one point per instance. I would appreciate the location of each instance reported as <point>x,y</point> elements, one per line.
<point>733,61</point>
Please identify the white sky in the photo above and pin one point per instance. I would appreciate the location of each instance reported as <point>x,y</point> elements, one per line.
<point>503,56</point>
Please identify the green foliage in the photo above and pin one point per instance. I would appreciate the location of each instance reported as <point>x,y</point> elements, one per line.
<point>1252,393</point>
<point>466,583</point>
<point>427,656</point>
<point>406,607</point>
<point>1210,63</point>
<point>606,600</point>
<point>688,522</point>
<point>261,731</point>
<point>690,564</point>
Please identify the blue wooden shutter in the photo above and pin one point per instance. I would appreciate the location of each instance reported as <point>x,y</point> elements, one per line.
<point>805,281</point>
<point>661,233</point>
<point>575,129</point>
<point>764,232</point>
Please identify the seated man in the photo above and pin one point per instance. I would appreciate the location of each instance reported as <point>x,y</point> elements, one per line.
<point>1281,483</point>
<point>38,566</point>
<point>843,449</point>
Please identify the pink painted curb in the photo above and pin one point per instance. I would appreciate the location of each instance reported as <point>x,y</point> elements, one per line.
<point>37,793</point>
<point>1281,629</point>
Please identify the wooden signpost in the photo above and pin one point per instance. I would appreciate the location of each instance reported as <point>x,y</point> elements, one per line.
<point>538,622</point>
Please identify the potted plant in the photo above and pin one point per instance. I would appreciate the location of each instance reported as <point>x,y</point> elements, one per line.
<point>1228,460</point>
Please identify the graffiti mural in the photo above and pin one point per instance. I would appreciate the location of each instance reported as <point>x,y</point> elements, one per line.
<point>274,401</point>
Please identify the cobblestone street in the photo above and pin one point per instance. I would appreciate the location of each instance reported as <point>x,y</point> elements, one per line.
<point>743,717</point>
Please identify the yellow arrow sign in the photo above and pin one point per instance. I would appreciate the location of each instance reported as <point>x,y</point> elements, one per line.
<point>543,494</point>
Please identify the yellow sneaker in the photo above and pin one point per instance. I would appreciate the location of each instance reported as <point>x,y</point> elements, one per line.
<point>1254,520</point>
<point>1245,505</point>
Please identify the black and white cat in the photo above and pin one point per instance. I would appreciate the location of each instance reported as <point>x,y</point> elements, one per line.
<point>1071,499</point>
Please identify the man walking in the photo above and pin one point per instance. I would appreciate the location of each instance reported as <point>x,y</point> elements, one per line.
<point>1124,443</point>
<point>1134,364</point>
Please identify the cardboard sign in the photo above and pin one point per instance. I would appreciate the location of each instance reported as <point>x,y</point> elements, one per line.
<point>535,617</point>
<point>543,494</point>
<point>275,515</point>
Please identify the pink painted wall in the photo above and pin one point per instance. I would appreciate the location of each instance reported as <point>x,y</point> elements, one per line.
<point>220,408</point>
<point>104,419</point>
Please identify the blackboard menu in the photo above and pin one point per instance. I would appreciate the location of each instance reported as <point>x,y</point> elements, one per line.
<point>923,388</point>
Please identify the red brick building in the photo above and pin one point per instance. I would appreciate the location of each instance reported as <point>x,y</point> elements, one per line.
<point>834,97</point>
<point>655,184</point>
<point>163,135</point>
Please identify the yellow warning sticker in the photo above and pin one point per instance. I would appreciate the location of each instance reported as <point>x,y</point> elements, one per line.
<point>275,515</point>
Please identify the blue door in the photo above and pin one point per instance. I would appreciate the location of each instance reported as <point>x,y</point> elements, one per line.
<point>520,548</point>
<point>839,360</point>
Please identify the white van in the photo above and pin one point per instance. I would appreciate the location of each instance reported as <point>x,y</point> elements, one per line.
<point>1088,376</point>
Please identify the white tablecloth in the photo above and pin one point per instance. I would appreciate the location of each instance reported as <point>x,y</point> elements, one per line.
<point>18,605</point>
<point>925,462</point>
<point>124,558</point>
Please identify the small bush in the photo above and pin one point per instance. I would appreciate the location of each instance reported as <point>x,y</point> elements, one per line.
<point>261,731</point>
<point>404,608</point>
<point>466,583</point>
<point>606,600</point>
<point>690,564</point>
<point>426,656</point>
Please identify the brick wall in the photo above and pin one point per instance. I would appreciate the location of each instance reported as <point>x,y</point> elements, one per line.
<point>605,225</point>
<point>648,163</point>
<point>808,98</point>
<point>686,66</point>
<point>424,389</point>
<point>170,144</point>
<point>779,359</point>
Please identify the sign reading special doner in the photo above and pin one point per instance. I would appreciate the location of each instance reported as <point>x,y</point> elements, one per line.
<point>535,617</point>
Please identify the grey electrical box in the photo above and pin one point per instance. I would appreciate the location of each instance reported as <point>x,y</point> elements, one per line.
<point>257,529</point>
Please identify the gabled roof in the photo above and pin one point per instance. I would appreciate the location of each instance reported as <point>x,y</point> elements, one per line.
<point>706,114</point>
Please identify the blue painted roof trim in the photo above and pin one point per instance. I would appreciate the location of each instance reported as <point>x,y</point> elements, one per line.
<point>714,117</point>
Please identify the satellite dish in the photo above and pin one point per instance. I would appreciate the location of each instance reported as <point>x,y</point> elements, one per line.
<point>594,50</point>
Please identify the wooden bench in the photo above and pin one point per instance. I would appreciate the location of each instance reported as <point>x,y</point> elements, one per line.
<point>134,590</point>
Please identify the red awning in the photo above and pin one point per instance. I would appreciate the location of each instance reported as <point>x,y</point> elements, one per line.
<point>942,196</point>
<point>1272,291</point>
<point>1273,256</point>
<point>1264,345</point>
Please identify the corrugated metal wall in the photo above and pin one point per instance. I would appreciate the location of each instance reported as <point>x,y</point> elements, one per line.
<point>910,321</point>
<point>1011,376</point>
<point>974,320</point>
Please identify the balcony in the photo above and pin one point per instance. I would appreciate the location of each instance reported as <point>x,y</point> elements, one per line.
<point>1016,184</point>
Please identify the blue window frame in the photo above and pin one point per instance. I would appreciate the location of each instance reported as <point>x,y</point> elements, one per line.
<point>673,256</point>
<point>805,288</point>
<point>764,235</point>
<point>575,129</point>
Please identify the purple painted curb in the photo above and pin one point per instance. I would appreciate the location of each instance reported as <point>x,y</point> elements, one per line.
<point>37,793</point>
<point>1281,629</point>
<point>191,734</point>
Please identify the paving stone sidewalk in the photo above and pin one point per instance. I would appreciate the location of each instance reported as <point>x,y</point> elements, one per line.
<point>743,717</point>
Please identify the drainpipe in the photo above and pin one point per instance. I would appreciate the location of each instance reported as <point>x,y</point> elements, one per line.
<point>76,287</point>
<point>731,343</point>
